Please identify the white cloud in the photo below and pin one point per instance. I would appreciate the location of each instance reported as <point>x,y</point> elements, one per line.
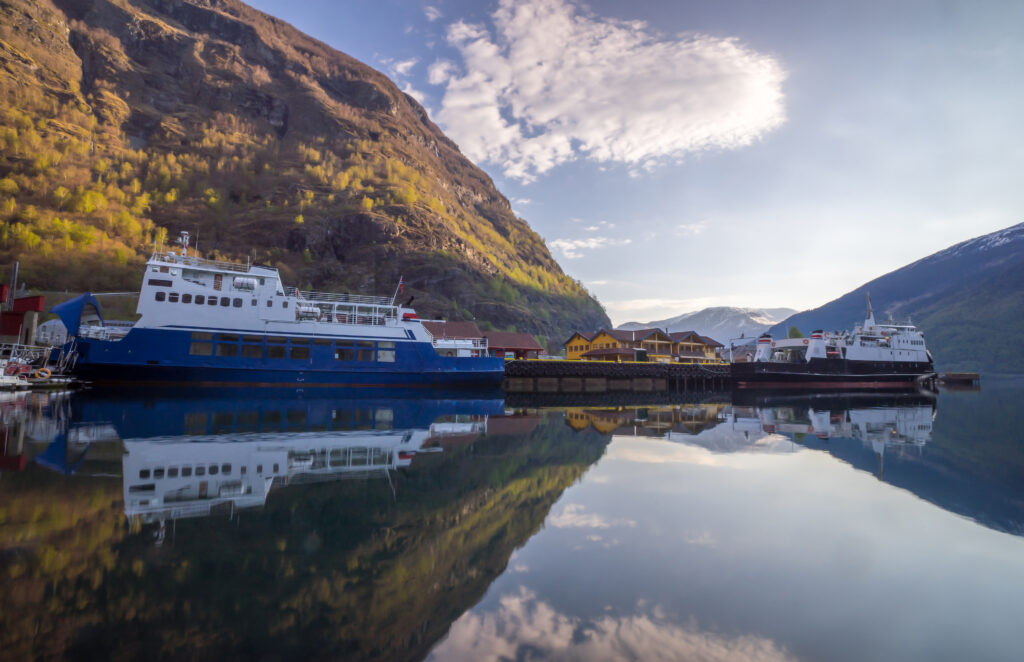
<point>555,83</point>
<point>523,627</point>
<point>692,229</point>
<point>432,13</point>
<point>440,71</point>
<point>571,248</point>
<point>574,515</point>
<point>403,67</point>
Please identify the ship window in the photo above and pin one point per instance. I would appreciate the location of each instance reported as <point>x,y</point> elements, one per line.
<point>200,471</point>
<point>242,469</point>
<point>343,354</point>
<point>186,472</point>
<point>164,270</point>
<point>202,335</point>
<point>160,282</point>
<point>143,473</point>
<point>386,355</point>
<point>172,472</point>
<point>236,302</point>
<point>252,338</point>
<point>259,469</point>
<point>158,473</point>
<point>227,350</point>
<point>274,352</point>
<point>200,299</point>
<point>276,468</point>
<point>300,353</point>
<point>201,349</point>
<point>214,469</point>
<point>364,355</point>
<point>284,304</point>
<point>276,339</point>
<point>300,341</point>
<point>365,343</point>
<point>172,297</point>
<point>254,302</point>
<point>186,298</point>
<point>252,351</point>
<point>262,281</point>
<point>212,301</point>
<point>225,301</point>
<point>225,469</point>
<point>227,337</point>
<point>270,303</point>
<point>161,296</point>
<point>321,341</point>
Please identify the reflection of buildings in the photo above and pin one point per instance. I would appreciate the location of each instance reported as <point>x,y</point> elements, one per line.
<point>655,421</point>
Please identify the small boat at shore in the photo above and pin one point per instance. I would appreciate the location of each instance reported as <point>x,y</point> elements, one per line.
<point>215,322</point>
<point>875,356</point>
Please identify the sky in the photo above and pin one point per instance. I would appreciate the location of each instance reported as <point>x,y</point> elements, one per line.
<point>681,154</point>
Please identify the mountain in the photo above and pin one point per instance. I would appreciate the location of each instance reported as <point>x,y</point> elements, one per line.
<point>968,300</point>
<point>721,323</point>
<point>126,121</point>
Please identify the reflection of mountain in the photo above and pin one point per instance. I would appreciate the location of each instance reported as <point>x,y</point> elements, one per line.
<point>336,569</point>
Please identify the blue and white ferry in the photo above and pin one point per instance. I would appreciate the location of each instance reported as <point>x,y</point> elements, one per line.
<point>214,322</point>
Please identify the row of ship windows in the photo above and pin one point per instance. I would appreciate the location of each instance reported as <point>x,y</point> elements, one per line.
<point>200,299</point>
<point>253,347</point>
<point>213,469</point>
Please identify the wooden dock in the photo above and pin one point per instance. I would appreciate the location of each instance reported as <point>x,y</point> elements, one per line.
<point>561,376</point>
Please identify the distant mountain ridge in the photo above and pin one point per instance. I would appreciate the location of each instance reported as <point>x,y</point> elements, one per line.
<point>722,323</point>
<point>968,299</point>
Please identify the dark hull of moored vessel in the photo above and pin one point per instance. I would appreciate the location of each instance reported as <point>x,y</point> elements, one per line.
<point>831,373</point>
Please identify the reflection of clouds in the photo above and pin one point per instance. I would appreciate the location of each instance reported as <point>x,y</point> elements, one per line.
<point>702,539</point>
<point>691,450</point>
<point>524,627</point>
<point>573,516</point>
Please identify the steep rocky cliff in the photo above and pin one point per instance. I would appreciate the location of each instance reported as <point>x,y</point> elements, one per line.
<point>128,120</point>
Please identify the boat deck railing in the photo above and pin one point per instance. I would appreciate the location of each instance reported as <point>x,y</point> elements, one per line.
<point>329,297</point>
<point>23,353</point>
<point>193,261</point>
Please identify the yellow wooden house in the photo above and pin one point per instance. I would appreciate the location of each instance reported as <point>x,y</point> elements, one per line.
<point>578,345</point>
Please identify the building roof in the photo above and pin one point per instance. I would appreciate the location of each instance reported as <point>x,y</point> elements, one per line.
<point>679,336</point>
<point>711,342</point>
<point>510,340</point>
<point>453,330</point>
<point>586,335</point>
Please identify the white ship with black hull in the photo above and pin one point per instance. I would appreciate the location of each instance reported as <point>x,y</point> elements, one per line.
<point>876,356</point>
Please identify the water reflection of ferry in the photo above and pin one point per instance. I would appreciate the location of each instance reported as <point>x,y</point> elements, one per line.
<point>179,477</point>
<point>191,454</point>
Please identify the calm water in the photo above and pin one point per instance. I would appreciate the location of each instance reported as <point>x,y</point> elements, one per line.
<point>283,525</point>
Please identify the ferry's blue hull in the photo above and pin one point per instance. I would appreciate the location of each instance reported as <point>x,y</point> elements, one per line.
<point>167,356</point>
